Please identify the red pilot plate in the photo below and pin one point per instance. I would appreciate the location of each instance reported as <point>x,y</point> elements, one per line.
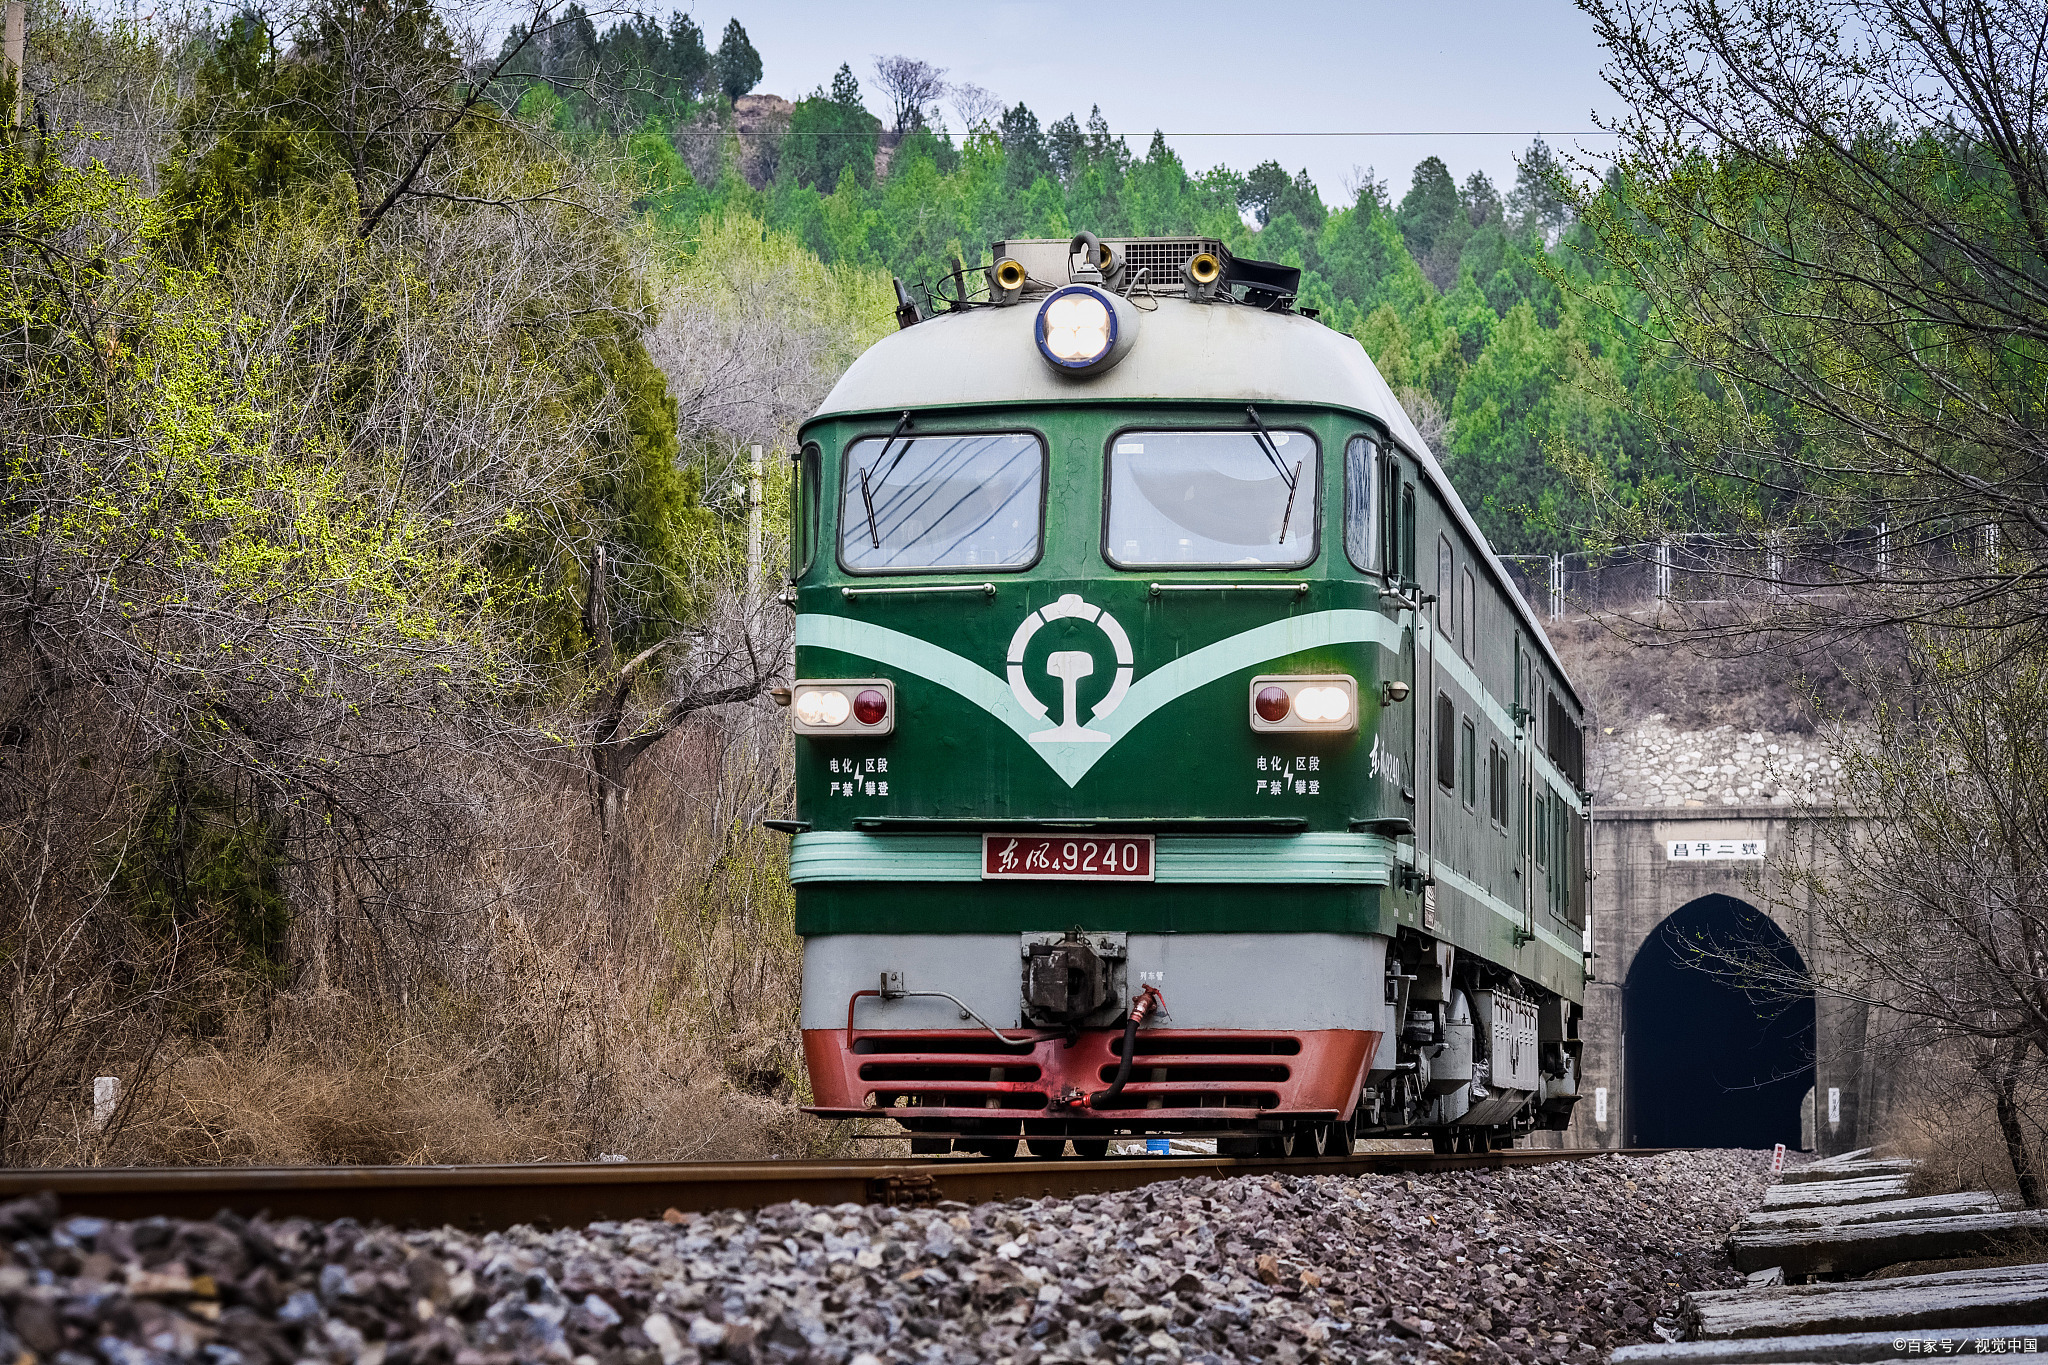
<point>1066,857</point>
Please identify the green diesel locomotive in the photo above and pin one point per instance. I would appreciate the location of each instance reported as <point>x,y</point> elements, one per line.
<point>1173,757</point>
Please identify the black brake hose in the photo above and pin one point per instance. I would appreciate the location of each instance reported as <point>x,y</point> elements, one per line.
<point>1101,1098</point>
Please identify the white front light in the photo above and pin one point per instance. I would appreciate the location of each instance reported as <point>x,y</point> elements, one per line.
<point>1077,327</point>
<point>1083,330</point>
<point>822,707</point>
<point>1322,705</point>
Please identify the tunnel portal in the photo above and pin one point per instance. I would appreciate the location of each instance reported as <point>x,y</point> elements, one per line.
<point>1715,1056</point>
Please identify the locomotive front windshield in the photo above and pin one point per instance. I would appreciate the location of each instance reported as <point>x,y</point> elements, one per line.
<point>1210,499</point>
<point>941,502</point>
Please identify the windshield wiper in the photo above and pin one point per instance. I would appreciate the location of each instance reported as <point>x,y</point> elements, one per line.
<point>1288,515</point>
<point>867,498</point>
<point>1293,481</point>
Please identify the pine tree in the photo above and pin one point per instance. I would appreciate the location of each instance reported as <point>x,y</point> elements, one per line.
<point>738,65</point>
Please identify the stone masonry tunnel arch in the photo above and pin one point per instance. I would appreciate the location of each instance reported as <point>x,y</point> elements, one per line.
<point>1709,1062</point>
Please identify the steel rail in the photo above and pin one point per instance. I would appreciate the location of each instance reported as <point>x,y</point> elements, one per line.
<point>485,1197</point>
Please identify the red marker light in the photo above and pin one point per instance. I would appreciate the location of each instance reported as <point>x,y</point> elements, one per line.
<point>870,707</point>
<point>1272,704</point>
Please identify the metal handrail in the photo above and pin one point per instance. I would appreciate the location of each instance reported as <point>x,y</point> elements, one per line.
<point>985,589</point>
<point>1298,589</point>
<point>965,1013</point>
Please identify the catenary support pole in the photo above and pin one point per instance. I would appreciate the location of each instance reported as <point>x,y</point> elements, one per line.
<point>14,44</point>
<point>754,523</point>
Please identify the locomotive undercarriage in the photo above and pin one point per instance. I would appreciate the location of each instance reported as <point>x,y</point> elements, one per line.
<point>1480,1056</point>
<point>1459,1051</point>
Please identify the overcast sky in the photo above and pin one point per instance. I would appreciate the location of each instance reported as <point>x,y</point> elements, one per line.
<point>1202,66</point>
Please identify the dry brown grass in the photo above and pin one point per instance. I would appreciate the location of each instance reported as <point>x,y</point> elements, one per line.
<point>1624,681</point>
<point>500,1023</point>
<point>1941,1117</point>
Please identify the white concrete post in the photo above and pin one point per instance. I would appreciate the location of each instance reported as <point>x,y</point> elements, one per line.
<point>106,1098</point>
<point>754,523</point>
<point>1663,571</point>
<point>1556,586</point>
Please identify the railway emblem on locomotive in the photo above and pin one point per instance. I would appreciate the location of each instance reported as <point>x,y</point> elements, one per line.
<point>1069,666</point>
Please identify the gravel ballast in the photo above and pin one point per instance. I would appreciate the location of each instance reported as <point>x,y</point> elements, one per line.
<point>1557,1262</point>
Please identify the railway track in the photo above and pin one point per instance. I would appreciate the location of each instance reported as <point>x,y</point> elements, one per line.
<point>486,1197</point>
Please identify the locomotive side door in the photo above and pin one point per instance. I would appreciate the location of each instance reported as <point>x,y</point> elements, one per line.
<point>1397,551</point>
<point>1525,778</point>
<point>1421,684</point>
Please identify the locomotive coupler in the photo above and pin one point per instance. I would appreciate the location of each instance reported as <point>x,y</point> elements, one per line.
<point>1073,981</point>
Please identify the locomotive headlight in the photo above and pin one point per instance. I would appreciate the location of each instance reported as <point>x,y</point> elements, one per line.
<point>853,707</point>
<point>1084,330</point>
<point>1322,705</point>
<point>823,708</point>
<point>1078,327</point>
<point>1327,702</point>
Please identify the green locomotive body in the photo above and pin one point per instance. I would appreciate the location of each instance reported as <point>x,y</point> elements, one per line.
<point>1172,754</point>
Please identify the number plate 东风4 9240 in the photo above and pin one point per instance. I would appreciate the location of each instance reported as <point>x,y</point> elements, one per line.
<point>1067,857</point>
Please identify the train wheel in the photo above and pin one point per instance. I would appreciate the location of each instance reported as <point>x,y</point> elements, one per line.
<point>1091,1149</point>
<point>1002,1149</point>
<point>1341,1139</point>
<point>1278,1144</point>
<point>1315,1140</point>
<point>1045,1140</point>
<point>1444,1144</point>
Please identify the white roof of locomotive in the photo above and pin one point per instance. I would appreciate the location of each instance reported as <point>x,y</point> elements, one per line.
<point>1184,352</point>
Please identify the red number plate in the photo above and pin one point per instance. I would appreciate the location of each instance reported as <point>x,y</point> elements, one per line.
<point>1071,858</point>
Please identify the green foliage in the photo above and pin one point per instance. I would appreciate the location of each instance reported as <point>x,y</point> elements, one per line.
<point>736,63</point>
<point>668,192</point>
<point>205,871</point>
<point>147,470</point>
<point>829,135</point>
<point>564,370</point>
<point>651,503</point>
<point>611,81</point>
<point>254,150</point>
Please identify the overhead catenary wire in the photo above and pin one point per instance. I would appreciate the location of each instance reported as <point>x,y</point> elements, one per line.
<point>723,131</point>
<point>1242,132</point>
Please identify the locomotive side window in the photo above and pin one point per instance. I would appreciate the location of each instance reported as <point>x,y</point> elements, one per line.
<point>1390,517</point>
<point>1497,792</point>
<point>1468,624</point>
<point>1410,567</point>
<point>1211,499</point>
<point>803,512</point>
<point>1468,763</point>
<point>1361,457</point>
<point>1446,742</point>
<point>1446,591</point>
<point>1559,853</point>
<point>942,502</point>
